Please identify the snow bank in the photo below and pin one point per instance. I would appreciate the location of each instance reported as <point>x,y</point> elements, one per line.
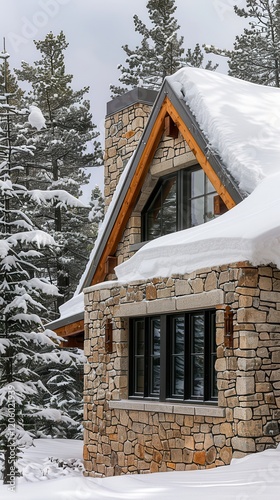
<point>255,476</point>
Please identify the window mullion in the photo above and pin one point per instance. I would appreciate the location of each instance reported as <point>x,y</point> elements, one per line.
<point>147,374</point>
<point>206,355</point>
<point>187,388</point>
<point>163,357</point>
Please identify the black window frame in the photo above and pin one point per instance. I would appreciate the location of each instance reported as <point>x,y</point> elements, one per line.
<point>184,198</point>
<point>166,378</point>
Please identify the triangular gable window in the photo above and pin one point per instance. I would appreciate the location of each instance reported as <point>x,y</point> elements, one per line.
<point>179,201</point>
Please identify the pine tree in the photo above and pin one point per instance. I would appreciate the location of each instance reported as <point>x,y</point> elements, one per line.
<point>256,53</point>
<point>61,372</point>
<point>24,344</point>
<point>195,59</point>
<point>160,53</point>
<point>60,157</point>
<point>97,206</point>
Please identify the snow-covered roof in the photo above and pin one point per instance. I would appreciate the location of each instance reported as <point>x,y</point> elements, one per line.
<point>241,121</point>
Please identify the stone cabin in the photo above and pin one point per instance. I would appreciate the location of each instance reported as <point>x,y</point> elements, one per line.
<point>183,370</point>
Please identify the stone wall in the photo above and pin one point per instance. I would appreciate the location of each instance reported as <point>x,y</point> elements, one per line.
<point>126,436</point>
<point>123,131</point>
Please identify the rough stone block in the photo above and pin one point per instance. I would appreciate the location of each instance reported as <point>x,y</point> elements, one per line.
<point>243,444</point>
<point>245,385</point>
<point>251,428</point>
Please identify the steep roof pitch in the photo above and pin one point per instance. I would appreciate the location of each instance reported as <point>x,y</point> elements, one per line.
<point>168,103</point>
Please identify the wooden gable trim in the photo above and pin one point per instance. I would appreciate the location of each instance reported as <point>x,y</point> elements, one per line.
<point>200,156</point>
<point>133,191</point>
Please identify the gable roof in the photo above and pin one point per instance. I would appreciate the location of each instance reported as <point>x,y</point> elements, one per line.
<point>198,102</point>
<point>131,181</point>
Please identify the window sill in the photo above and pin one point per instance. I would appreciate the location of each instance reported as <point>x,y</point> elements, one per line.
<point>177,408</point>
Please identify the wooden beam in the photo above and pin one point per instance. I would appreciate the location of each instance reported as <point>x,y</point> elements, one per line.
<point>70,329</point>
<point>170,129</point>
<point>200,156</point>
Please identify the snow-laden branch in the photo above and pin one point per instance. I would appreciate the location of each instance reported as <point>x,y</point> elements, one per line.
<point>36,118</point>
<point>37,237</point>
<point>58,197</point>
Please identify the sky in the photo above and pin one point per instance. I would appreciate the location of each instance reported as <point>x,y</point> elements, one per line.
<point>254,476</point>
<point>96,31</point>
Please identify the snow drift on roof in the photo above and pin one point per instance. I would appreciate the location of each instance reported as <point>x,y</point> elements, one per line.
<point>248,232</point>
<point>241,121</point>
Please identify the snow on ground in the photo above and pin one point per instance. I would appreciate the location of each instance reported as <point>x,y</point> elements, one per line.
<point>254,477</point>
<point>50,458</point>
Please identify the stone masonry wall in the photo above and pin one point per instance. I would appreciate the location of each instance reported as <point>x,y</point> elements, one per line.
<point>123,131</point>
<point>126,436</point>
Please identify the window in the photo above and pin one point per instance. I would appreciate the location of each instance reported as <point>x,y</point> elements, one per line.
<point>179,201</point>
<point>172,357</point>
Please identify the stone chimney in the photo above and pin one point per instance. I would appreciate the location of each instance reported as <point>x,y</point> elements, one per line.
<point>125,121</point>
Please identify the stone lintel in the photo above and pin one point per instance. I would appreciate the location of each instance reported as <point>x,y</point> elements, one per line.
<point>186,303</point>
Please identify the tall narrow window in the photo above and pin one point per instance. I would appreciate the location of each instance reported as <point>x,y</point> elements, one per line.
<point>139,351</point>
<point>197,355</point>
<point>177,353</point>
<point>160,216</point>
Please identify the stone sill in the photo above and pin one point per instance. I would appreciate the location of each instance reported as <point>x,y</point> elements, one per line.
<point>176,408</point>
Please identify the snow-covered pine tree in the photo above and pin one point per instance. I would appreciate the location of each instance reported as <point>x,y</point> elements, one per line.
<point>62,152</point>
<point>97,207</point>
<point>256,53</point>
<point>23,340</point>
<point>195,59</point>
<point>61,373</point>
<point>160,53</point>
